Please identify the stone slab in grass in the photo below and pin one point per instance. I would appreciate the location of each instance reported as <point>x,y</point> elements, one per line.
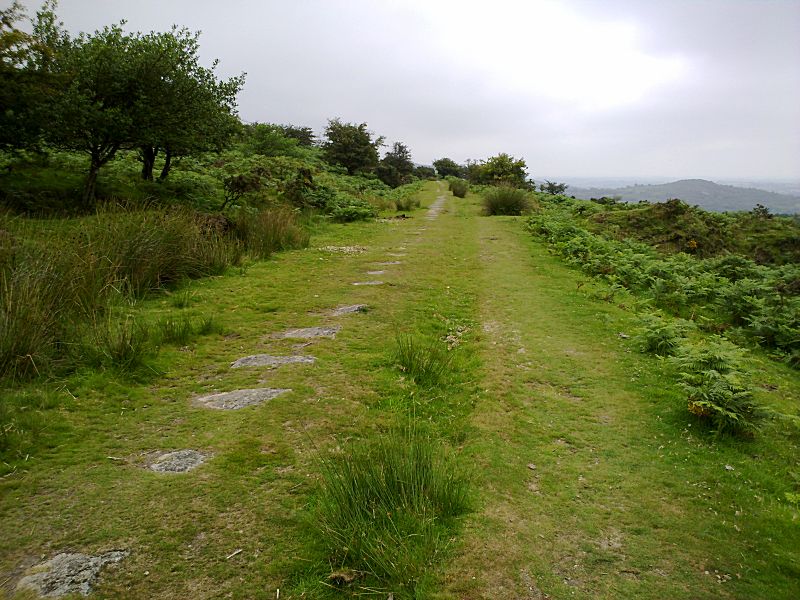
<point>395,254</point>
<point>389,263</point>
<point>376,272</point>
<point>240,398</point>
<point>178,461</point>
<point>68,573</point>
<point>347,310</point>
<point>266,360</point>
<point>305,333</point>
<point>375,282</point>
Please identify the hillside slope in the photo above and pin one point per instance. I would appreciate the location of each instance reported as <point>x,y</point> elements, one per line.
<point>706,194</point>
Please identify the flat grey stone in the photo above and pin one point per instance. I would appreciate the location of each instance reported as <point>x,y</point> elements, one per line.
<point>65,573</point>
<point>240,398</point>
<point>391,262</point>
<point>395,254</point>
<point>179,461</point>
<point>265,360</point>
<point>346,310</point>
<point>308,332</point>
<point>368,283</point>
<point>376,272</point>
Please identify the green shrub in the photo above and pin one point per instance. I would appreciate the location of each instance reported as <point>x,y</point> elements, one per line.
<point>661,336</point>
<point>505,200</point>
<point>459,187</point>
<point>386,507</point>
<point>426,364</point>
<point>712,375</point>
<point>346,208</point>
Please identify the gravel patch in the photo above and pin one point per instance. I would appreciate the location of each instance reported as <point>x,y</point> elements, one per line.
<point>308,332</point>
<point>266,360</point>
<point>67,573</point>
<point>178,461</point>
<point>240,398</point>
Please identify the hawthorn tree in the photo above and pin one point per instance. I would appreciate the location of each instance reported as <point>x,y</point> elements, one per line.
<point>447,167</point>
<point>27,79</point>
<point>304,135</point>
<point>351,146</point>
<point>551,187</point>
<point>502,169</point>
<point>181,107</point>
<point>396,167</point>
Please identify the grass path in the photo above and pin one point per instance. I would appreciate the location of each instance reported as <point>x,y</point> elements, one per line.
<point>595,485</point>
<point>588,481</point>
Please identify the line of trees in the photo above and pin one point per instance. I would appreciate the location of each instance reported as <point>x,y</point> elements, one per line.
<point>108,91</point>
<point>502,169</point>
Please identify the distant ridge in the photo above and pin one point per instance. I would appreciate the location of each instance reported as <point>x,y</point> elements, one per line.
<point>704,193</point>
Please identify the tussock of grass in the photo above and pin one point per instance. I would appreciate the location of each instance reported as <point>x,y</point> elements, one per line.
<point>426,364</point>
<point>271,230</point>
<point>55,288</point>
<point>121,344</point>
<point>505,200</point>
<point>179,331</point>
<point>387,507</point>
<point>459,187</point>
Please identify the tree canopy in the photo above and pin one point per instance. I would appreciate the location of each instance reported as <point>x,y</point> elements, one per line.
<point>396,167</point>
<point>351,146</point>
<point>502,169</point>
<point>447,167</point>
<point>110,90</point>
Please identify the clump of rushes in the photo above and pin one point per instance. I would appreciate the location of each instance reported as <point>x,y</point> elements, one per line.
<point>459,187</point>
<point>426,364</point>
<point>270,230</point>
<point>505,200</point>
<point>387,508</point>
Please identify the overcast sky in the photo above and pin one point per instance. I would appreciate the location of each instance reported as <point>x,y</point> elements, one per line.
<point>673,88</point>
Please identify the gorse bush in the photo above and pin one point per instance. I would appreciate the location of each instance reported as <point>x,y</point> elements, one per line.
<point>426,364</point>
<point>712,375</point>
<point>459,187</point>
<point>505,200</point>
<point>387,506</point>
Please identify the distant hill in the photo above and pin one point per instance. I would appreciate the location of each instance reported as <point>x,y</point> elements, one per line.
<point>706,194</point>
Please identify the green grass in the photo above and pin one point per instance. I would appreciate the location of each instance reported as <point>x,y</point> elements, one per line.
<point>505,200</point>
<point>425,363</point>
<point>386,510</point>
<point>587,476</point>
